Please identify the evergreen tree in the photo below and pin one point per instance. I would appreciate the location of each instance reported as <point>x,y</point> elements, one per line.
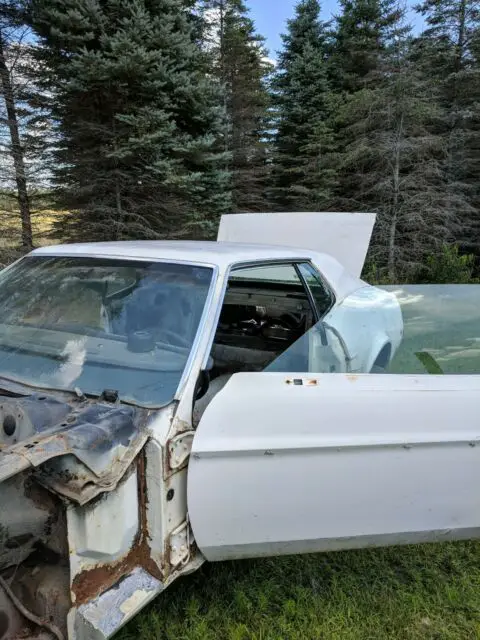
<point>391,162</point>
<point>363,31</point>
<point>447,55</point>
<point>138,151</point>
<point>12,32</point>
<point>392,166</point>
<point>239,59</point>
<point>302,179</point>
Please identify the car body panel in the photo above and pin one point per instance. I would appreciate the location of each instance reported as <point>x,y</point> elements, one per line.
<point>337,462</point>
<point>343,235</point>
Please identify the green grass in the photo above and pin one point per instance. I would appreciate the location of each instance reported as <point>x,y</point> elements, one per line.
<point>429,592</point>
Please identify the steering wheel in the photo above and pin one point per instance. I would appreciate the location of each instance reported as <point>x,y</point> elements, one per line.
<point>174,338</point>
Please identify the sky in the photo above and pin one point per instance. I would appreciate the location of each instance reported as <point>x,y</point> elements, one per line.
<point>270,18</point>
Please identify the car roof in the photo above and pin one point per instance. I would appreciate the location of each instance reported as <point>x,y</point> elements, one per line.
<point>222,254</point>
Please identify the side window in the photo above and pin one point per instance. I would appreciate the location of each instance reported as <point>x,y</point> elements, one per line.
<point>321,295</point>
<point>265,311</point>
<point>267,323</point>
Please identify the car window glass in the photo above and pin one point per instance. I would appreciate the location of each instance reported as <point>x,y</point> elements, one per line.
<point>265,310</point>
<point>321,295</point>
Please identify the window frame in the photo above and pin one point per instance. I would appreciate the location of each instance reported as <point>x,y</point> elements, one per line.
<point>249,264</point>
<point>324,284</point>
<point>286,262</point>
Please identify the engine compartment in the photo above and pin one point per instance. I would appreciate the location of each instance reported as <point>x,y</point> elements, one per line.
<point>54,453</point>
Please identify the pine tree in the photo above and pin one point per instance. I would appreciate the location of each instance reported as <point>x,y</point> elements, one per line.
<point>447,56</point>
<point>239,59</point>
<point>11,33</point>
<point>391,162</point>
<point>363,31</point>
<point>138,150</point>
<point>302,180</point>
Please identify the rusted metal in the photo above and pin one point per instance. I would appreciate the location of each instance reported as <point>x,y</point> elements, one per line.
<point>179,449</point>
<point>41,621</point>
<point>78,449</point>
<point>92,582</point>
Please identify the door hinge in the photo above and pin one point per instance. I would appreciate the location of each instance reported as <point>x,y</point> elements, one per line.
<point>179,544</point>
<point>179,448</point>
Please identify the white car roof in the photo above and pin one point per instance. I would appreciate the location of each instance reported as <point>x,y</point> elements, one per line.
<point>221,254</point>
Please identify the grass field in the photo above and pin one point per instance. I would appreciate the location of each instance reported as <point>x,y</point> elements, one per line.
<point>10,237</point>
<point>429,592</point>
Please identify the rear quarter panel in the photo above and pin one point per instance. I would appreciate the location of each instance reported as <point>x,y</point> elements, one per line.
<point>368,320</point>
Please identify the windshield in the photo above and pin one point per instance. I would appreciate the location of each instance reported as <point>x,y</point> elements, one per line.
<point>96,324</point>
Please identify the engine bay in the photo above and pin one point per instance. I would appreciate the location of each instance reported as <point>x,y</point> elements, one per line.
<point>53,453</point>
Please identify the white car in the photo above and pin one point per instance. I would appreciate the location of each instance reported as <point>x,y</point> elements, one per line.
<point>164,403</point>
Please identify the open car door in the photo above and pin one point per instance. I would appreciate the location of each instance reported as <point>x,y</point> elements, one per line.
<point>297,463</point>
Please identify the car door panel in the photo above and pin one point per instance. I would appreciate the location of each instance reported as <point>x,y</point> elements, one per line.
<point>297,463</point>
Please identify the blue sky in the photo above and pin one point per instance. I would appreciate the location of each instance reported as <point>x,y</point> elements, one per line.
<point>271,15</point>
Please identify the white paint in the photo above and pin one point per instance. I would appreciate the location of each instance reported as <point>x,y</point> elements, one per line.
<point>344,236</point>
<point>350,462</point>
<point>134,603</point>
<point>223,255</point>
<point>105,531</point>
<point>368,319</point>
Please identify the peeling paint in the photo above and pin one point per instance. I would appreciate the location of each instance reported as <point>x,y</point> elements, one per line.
<point>132,603</point>
<point>90,583</point>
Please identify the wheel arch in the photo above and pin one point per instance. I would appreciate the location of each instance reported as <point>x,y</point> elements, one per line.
<point>381,356</point>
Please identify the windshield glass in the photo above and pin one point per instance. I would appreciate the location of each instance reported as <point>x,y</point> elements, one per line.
<point>96,324</point>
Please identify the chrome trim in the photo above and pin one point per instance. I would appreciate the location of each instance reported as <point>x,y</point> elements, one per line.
<point>324,283</point>
<point>261,263</point>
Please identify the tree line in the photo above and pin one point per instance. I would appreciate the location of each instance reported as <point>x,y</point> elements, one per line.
<point>151,118</point>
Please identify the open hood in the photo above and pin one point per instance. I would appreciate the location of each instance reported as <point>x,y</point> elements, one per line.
<point>344,236</point>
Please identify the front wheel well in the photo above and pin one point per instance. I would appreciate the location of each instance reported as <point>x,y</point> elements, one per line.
<point>383,358</point>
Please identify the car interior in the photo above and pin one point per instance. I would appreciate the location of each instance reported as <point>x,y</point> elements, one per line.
<point>266,310</point>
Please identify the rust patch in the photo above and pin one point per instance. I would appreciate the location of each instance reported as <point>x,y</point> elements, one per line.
<point>352,377</point>
<point>92,582</point>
